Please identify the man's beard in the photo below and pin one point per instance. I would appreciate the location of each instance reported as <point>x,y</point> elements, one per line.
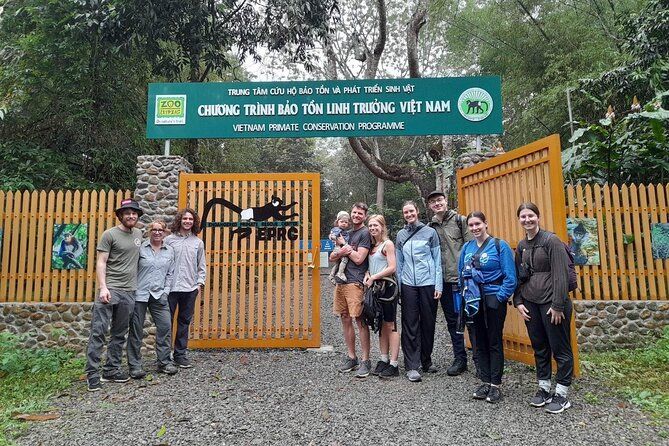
<point>128,224</point>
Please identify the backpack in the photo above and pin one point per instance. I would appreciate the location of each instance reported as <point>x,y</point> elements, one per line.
<point>573,277</point>
<point>372,313</point>
<point>384,290</point>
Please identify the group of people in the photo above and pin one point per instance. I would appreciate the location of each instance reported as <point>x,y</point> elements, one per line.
<point>160,273</point>
<point>440,262</point>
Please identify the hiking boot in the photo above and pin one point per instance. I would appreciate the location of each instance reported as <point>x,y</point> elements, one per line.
<point>429,368</point>
<point>137,374</point>
<point>364,369</point>
<point>169,369</point>
<point>414,376</point>
<point>94,384</point>
<point>481,392</point>
<point>541,398</point>
<point>115,377</point>
<point>558,404</point>
<point>380,367</point>
<point>342,277</point>
<point>458,367</point>
<point>389,372</point>
<point>349,365</point>
<point>494,394</point>
<point>183,362</point>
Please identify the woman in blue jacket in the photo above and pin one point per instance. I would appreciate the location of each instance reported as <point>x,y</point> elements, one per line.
<point>419,273</point>
<point>495,260</point>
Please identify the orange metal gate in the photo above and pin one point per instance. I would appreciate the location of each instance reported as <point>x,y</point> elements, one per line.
<point>261,238</point>
<point>497,187</point>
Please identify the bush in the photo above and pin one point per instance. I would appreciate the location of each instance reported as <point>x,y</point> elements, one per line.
<point>639,375</point>
<point>29,378</point>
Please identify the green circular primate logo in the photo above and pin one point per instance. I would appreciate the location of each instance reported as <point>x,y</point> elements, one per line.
<point>475,104</point>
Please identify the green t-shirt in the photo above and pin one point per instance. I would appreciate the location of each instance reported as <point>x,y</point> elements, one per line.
<point>123,248</point>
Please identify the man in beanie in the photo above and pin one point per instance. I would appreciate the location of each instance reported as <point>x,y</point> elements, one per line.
<point>453,233</point>
<point>116,269</point>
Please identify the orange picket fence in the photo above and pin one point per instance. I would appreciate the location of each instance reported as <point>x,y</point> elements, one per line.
<point>27,221</point>
<point>624,216</point>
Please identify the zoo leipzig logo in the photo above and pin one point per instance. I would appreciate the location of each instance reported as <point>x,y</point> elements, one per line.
<point>256,218</point>
<point>170,109</point>
<point>475,104</point>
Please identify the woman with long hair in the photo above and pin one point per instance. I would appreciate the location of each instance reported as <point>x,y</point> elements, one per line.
<point>382,263</point>
<point>542,299</point>
<point>190,272</point>
<point>419,273</point>
<point>493,259</point>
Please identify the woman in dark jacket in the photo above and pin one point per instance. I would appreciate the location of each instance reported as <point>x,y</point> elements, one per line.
<point>542,299</point>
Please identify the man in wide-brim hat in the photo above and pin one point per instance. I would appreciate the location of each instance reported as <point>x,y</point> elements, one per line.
<point>116,269</point>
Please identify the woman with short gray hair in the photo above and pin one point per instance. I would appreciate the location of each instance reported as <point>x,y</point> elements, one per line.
<point>154,281</point>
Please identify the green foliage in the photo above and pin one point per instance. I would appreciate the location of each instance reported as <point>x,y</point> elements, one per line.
<point>540,49</point>
<point>639,375</point>
<point>28,379</point>
<point>612,150</point>
<point>74,75</point>
<point>74,104</point>
<point>646,73</point>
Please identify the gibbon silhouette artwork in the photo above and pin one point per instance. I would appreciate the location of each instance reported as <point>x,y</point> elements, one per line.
<point>476,106</point>
<point>274,209</point>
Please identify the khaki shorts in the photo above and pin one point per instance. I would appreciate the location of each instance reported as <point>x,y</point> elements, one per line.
<point>348,299</point>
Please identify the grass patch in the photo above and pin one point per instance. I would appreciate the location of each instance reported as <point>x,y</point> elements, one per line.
<point>28,379</point>
<point>639,375</point>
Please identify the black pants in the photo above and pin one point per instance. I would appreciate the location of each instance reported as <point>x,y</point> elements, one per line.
<point>458,340</point>
<point>185,301</point>
<point>419,316</point>
<point>489,326</point>
<point>550,339</point>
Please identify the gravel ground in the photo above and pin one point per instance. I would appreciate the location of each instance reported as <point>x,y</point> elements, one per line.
<point>297,397</point>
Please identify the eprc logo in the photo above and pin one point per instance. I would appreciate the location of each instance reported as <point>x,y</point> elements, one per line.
<point>475,104</point>
<point>170,109</point>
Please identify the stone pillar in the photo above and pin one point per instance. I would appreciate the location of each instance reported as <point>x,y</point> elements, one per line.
<point>473,157</point>
<point>157,187</point>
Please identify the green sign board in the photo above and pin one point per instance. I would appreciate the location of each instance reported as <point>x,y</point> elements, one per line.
<point>377,107</point>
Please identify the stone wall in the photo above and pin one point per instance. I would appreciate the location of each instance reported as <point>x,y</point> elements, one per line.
<point>157,187</point>
<point>604,325</point>
<point>474,157</point>
<point>600,325</point>
<point>58,324</point>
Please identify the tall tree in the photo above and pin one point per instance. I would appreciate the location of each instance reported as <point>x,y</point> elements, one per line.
<point>74,103</point>
<point>195,39</point>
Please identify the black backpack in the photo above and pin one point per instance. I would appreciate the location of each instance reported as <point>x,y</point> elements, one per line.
<point>384,290</point>
<point>573,277</point>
